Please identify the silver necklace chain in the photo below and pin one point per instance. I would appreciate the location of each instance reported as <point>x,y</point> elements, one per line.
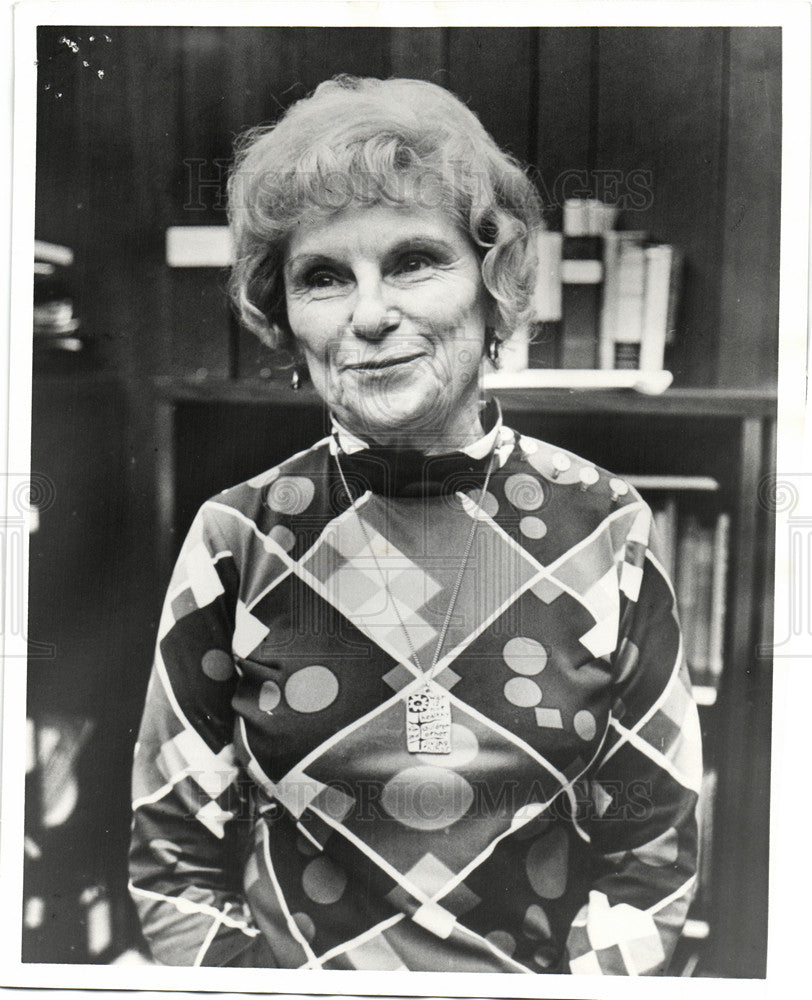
<point>427,676</point>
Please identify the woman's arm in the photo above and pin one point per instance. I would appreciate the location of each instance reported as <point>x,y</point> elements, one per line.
<point>190,822</point>
<point>645,789</point>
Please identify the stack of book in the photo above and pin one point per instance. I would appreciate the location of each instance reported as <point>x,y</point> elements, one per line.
<point>640,296</point>
<point>54,322</point>
<point>694,545</point>
<point>604,298</point>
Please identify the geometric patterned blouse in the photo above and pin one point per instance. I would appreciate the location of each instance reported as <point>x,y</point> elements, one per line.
<point>279,819</point>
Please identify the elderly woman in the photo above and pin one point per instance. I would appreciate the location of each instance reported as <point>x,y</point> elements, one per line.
<point>418,700</point>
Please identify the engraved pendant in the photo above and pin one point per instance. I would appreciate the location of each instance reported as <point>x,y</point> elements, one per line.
<point>428,721</point>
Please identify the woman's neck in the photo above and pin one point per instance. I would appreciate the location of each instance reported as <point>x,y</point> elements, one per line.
<point>464,430</point>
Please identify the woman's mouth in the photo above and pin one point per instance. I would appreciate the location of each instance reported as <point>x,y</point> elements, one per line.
<point>382,364</point>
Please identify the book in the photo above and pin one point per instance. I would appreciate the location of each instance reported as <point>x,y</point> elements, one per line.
<point>664,511</point>
<point>546,297</point>
<point>581,273</point>
<point>544,333</point>
<point>640,301</point>
<point>618,285</point>
<point>718,606</point>
<point>663,264</point>
<point>694,576</point>
<point>587,217</point>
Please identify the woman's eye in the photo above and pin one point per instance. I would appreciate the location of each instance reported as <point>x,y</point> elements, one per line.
<point>321,279</point>
<point>413,263</point>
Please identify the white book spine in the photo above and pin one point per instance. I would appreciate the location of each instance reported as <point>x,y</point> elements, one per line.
<point>631,288</point>
<point>658,261</point>
<point>546,298</point>
<point>608,321</point>
<point>716,640</point>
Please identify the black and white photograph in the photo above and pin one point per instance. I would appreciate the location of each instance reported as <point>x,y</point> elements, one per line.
<point>406,545</point>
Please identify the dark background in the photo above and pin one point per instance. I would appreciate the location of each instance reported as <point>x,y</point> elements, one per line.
<point>169,402</point>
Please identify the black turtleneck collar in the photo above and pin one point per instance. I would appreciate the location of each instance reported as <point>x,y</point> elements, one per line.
<point>411,474</point>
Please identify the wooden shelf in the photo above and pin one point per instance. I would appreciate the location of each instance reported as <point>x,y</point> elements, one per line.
<point>675,402</point>
<point>699,484</point>
<point>650,383</point>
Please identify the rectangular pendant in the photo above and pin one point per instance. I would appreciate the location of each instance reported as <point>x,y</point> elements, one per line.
<point>428,721</point>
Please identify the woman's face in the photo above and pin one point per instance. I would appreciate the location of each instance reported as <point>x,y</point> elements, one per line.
<point>389,308</point>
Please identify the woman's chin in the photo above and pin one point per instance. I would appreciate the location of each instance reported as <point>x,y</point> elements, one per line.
<point>397,415</point>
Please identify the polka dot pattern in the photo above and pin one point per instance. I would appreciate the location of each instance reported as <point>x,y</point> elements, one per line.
<point>502,940</point>
<point>217,664</point>
<point>311,689</point>
<point>304,846</point>
<point>488,504</point>
<point>585,725</point>
<point>166,850</point>
<point>323,881</point>
<point>544,957</point>
<point>305,924</point>
<point>536,925</point>
<point>524,491</point>
<point>427,798</point>
<point>663,850</point>
<point>283,537</point>
<point>532,527</point>
<point>269,696</point>
<point>618,487</point>
<point>588,475</point>
<point>525,656</point>
<point>546,864</point>
<point>290,495</point>
<point>522,692</point>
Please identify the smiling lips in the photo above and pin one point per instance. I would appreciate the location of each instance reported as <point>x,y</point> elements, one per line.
<point>381,364</point>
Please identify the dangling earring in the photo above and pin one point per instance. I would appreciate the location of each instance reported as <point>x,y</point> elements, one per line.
<point>494,342</point>
<point>296,379</point>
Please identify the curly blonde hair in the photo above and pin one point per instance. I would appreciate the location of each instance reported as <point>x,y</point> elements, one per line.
<point>358,141</point>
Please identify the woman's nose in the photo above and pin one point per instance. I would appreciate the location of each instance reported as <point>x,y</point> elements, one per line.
<point>371,319</point>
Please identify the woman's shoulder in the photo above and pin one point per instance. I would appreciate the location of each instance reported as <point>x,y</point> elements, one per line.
<point>286,489</point>
<point>567,507</point>
<point>559,469</point>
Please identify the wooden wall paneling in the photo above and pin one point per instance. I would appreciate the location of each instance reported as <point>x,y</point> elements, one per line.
<point>420,54</point>
<point>57,155</point>
<point>148,88</point>
<point>104,160</point>
<point>748,332</point>
<point>258,92</point>
<point>199,311</point>
<point>142,313</point>
<point>563,130</point>
<point>77,590</point>
<point>739,904</point>
<point>316,54</point>
<point>492,70</point>
<point>661,105</point>
<point>80,164</point>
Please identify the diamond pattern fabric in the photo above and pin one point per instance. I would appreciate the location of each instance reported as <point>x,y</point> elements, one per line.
<point>279,819</point>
